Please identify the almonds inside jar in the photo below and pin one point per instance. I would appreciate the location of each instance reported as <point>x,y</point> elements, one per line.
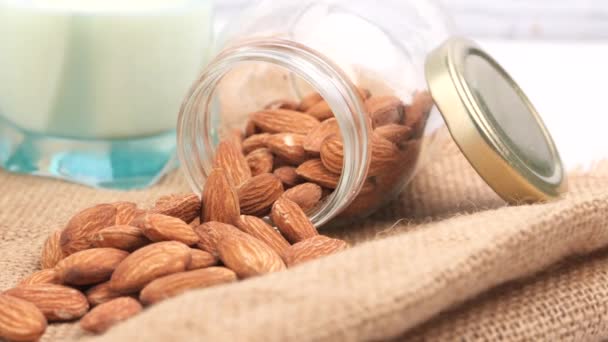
<point>304,144</point>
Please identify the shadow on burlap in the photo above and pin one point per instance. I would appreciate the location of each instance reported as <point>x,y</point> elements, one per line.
<point>448,259</point>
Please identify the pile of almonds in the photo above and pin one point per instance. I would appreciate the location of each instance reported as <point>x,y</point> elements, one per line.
<point>301,145</point>
<point>113,259</point>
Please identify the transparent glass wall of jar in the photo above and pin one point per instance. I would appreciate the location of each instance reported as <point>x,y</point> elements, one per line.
<point>365,60</point>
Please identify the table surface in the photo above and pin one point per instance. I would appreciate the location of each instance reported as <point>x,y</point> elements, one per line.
<point>566,81</point>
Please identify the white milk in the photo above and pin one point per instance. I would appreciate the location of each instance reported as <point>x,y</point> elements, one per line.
<point>99,68</point>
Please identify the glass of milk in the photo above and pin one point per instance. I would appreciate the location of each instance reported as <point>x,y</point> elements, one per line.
<point>90,89</point>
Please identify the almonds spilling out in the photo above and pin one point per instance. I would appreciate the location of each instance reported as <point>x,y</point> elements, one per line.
<point>250,220</point>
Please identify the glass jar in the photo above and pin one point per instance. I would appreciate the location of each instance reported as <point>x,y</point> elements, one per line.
<point>345,51</point>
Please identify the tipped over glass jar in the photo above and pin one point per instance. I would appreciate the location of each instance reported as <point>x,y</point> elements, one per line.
<point>328,92</point>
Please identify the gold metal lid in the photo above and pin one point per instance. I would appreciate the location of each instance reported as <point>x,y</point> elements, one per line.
<point>494,123</point>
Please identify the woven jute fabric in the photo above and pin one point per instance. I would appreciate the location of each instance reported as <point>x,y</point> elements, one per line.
<point>448,260</point>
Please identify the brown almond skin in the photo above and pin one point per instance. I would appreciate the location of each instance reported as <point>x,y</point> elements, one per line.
<point>396,134</point>
<point>57,302</point>
<point>51,251</point>
<point>158,227</point>
<point>124,237</point>
<point>385,156</point>
<point>306,195</point>
<point>230,158</point>
<point>209,234</point>
<point>260,161</point>
<point>291,221</point>
<point>314,139</point>
<point>282,104</point>
<point>313,248</point>
<point>185,207</point>
<point>255,142</point>
<point>385,110</point>
<point>90,266</point>
<point>251,129</point>
<point>101,293</point>
<point>309,100</point>
<point>125,212</point>
<point>148,263</point>
<point>178,283</point>
<point>314,171</point>
<point>288,176</point>
<point>257,195</point>
<point>76,235</point>
<point>417,112</point>
<point>284,121</point>
<point>321,111</point>
<point>332,153</point>
<point>288,146</point>
<point>201,259</point>
<point>220,200</point>
<point>105,315</point>
<point>262,231</point>
<point>246,255</point>
<point>20,320</point>
<point>46,276</point>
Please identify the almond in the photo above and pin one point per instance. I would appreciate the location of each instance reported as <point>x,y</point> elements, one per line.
<point>195,223</point>
<point>235,135</point>
<point>158,227</point>
<point>314,171</point>
<point>321,111</point>
<point>262,231</point>
<point>185,207</point>
<point>251,129</point>
<point>51,251</point>
<point>220,201</point>
<point>291,221</point>
<point>125,212</point>
<point>201,259</point>
<point>282,104</point>
<point>255,142</point>
<point>105,315</point>
<point>385,156</point>
<point>417,112</point>
<point>46,276</point>
<point>288,146</point>
<point>314,139</point>
<point>90,266</point>
<point>209,234</point>
<point>76,235</point>
<point>101,293</point>
<point>260,161</point>
<point>284,121</point>
<point>310,100</point>
<point>57,302</point>
<point>306,195</point>
<point>246,255</point>
<point>178,283</point>
<point>127,238</point>
<point>385,110</point>
<point>257,195</point>
<point>394,133</point>
<point>332,153</point>
<point>313,248</point>
<point>148,263</point>
<point>288,176</point>
<point>20,320</point>
<point>230,158</point>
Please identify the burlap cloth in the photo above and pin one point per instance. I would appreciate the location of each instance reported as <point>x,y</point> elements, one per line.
<point>459,263</point>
